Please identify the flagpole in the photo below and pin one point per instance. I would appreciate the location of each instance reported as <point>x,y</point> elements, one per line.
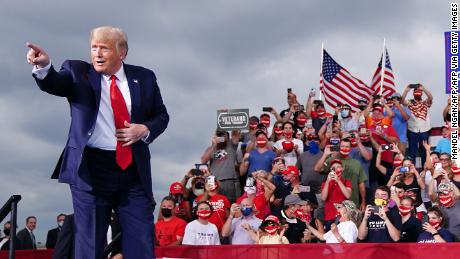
<point>321,69</point>
<point>384,59</point>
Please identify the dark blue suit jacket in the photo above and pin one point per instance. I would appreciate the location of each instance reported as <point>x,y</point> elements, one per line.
<point>81,85</point>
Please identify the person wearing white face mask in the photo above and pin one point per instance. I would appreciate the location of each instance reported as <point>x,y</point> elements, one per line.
<point>51,238</point>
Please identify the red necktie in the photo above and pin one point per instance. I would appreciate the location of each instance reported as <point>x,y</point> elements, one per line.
<point>124,155</point>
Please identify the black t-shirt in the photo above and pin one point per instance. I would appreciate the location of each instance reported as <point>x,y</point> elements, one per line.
<point>415,188</point>
<point>293,116</point>
<point>377,229</point>
<point>294,233</point>
<point>410,230</point>
<point>318,123</point>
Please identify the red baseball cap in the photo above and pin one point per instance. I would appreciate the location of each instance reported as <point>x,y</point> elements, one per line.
<point>292,169</point>
<point>176,188</point>
<point>272,218</point>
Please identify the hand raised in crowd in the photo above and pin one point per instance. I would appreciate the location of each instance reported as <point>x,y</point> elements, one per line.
<point>234,208</point>
<point>394,148</point>
<point>37,56</point>
<point>382,214</point>
<point>334,229</point>
<point>327,150</point>
<point>284,227</point>
<point>429,228</point>
<point>396,172</point>
<point>205,172</point>
<point>246,227</point>
<point>426,145</point>
<point>307,235</point>
<point>368,212</point>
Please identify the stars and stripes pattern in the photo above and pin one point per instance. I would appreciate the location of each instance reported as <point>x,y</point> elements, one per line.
<point>339,86</point>
<point>388,78</point>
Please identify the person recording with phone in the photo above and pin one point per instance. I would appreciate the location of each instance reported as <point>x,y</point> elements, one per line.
<point>259,190</point>
<point>348,122</point>
<point>220,204</point>
<point>408,175</point>
<point>241,218</point>
<point>222,159</point>
<point>399,119</point>
<point>290,113</point>
<point>353,170</point>
<point>446,194</point>
<point>380,223</point>
<point>334,190</point>
<point>419,124</point>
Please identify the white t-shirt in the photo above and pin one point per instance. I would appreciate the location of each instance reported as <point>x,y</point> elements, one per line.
<point>290,158</point>
<point>347,230</point>
<point>199,234</point>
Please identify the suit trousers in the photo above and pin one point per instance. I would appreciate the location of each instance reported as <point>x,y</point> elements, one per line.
<point>112,188</point>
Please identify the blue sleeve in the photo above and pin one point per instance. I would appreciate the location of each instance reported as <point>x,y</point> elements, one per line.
<point>446,235</point>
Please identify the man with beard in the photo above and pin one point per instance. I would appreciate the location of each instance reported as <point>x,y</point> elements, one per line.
<point>222,157</point>
<point>419,123</point>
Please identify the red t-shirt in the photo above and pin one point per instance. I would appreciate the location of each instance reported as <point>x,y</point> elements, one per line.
<point>166,232</point>
<point>219,205</point>
<point>387,130</point>
<point>335,195</point>
<point>260,204</point>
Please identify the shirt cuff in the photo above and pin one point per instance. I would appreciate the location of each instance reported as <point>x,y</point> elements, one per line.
<point>146,137</point>
<point>41,73</point>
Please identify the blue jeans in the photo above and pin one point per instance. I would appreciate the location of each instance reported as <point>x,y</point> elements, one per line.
<point>416,145</point>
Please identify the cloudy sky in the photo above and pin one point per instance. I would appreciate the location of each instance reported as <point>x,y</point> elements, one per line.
<point>207,55</point>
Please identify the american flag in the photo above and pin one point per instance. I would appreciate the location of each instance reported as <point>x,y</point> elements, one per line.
<point>339,86</point>
<point>388,79</point>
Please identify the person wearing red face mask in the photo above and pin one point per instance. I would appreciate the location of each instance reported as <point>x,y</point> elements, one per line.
<point>353,170</point>
<point>382,134</point>
<point>334,190</point>
<point>418,124</point>
<point>220,204</point>
<point>434,230</point>
<point>289,148</point>
<point>318,115</point>
<point>201,231</point>
<point>277,131</point>
<point>446,196</point>
<point>269,232</point>
<point>411,226</point>
<point>300,123</point>
<point>260,158</point>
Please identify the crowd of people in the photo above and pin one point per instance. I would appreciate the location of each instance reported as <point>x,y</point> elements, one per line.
<point>367,175</point>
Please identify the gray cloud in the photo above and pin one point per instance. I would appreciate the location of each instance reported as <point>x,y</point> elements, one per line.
<point>207,55</point>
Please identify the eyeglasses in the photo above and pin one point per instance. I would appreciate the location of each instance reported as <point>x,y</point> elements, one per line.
<point>444,159</point>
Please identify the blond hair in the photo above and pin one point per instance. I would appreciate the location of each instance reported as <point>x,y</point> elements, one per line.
<point>111,33</point>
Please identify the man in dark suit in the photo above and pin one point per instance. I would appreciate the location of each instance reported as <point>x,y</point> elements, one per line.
<point>26,236</point>
<point>51,238</point>
<point>116,110</point>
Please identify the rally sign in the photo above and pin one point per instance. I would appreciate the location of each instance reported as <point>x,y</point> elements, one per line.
<point>233,119</point>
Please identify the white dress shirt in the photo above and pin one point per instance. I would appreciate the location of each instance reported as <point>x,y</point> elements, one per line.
<point>103,136</point>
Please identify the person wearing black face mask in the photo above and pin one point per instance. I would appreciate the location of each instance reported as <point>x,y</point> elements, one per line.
<point>5,241</point>
<point>169,230</point>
